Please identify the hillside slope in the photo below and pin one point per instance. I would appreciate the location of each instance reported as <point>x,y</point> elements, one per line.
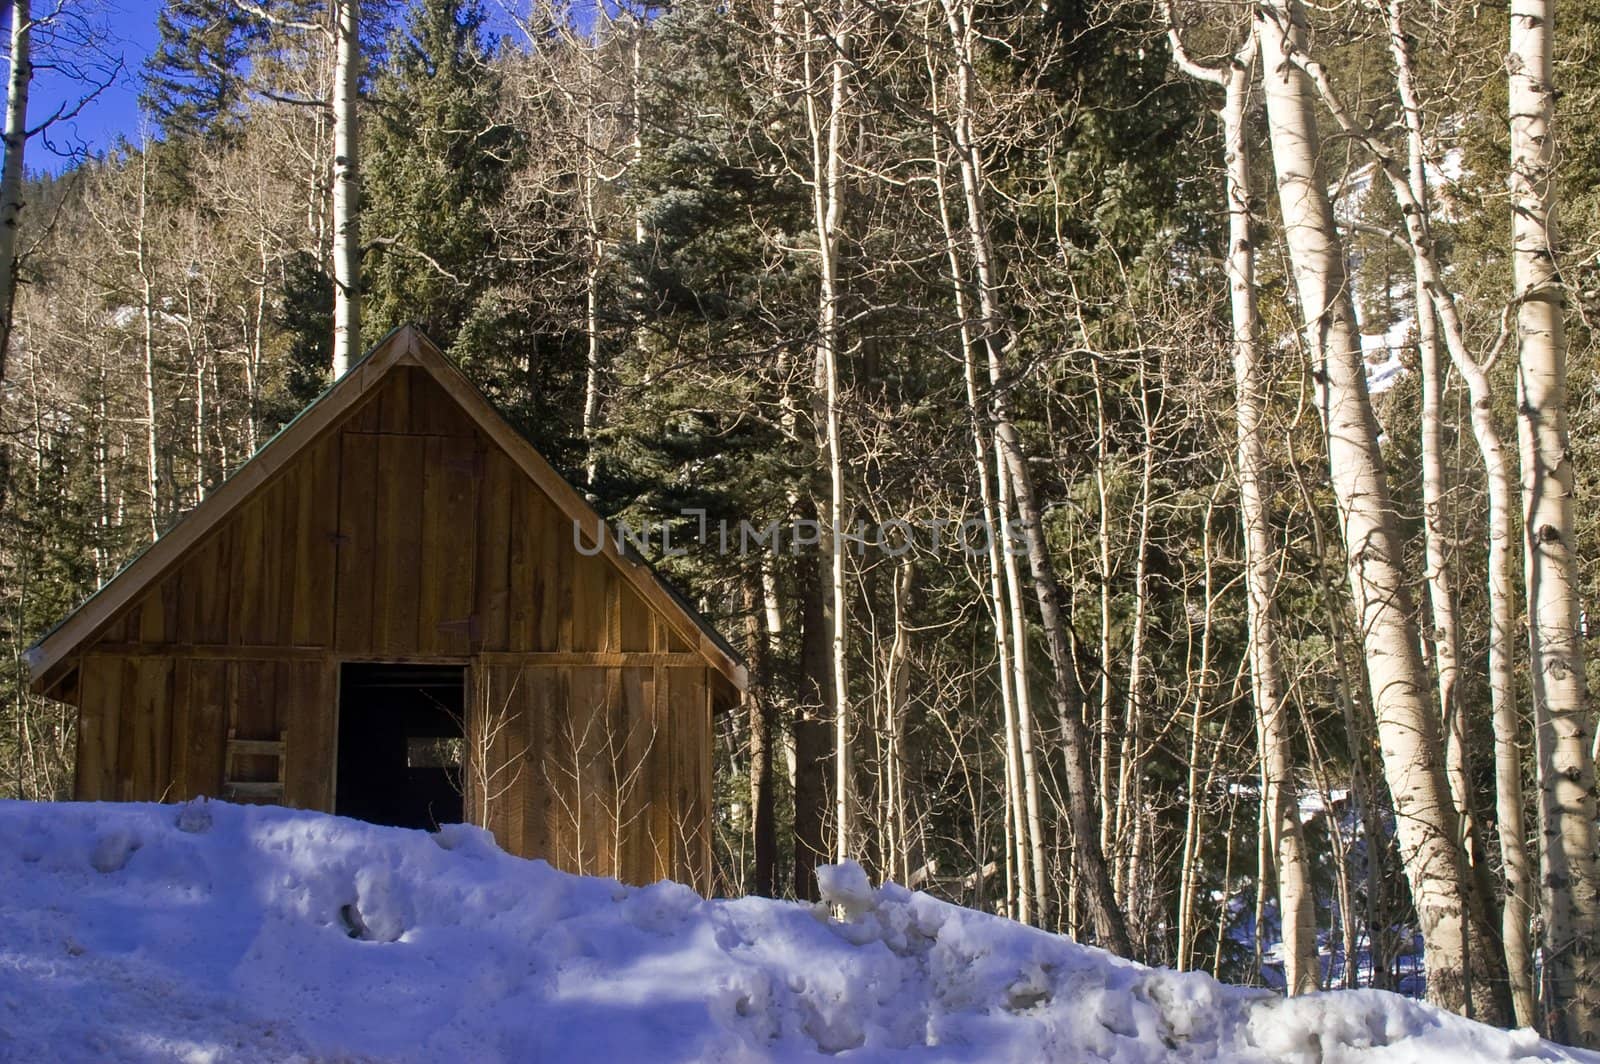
<point>212,932</point>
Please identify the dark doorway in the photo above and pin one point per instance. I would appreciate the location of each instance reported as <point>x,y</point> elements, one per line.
<point>401,747</point>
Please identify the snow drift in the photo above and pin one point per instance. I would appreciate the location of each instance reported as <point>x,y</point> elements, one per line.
<point>212,932</point>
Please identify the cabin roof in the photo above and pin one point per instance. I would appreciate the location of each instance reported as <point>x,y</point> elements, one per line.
<point>405,346</point>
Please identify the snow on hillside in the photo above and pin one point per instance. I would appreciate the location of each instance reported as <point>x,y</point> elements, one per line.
<point>212,932</point>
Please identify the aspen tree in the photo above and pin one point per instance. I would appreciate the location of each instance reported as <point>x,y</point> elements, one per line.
<point>1438,311</point>
<point>1296,898</point>
<point>1110,924</point>
<point>16,142</point>
<point>826,127</point>
<point>1563,715</point>
<point>1020,886</point>
<point>346,185</point>
<point>1436,301</point>
<point>1408,730</point>
<point>147,335</point>
<point>758,699</point>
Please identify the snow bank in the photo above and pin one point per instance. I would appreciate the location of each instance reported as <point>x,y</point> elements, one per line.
<point>212,932</point>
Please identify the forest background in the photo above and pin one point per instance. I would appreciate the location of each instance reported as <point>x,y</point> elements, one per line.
<point>1286,680</point>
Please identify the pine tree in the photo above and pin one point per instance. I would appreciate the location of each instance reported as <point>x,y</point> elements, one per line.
<point>194,82</point>
<point>437,159</point>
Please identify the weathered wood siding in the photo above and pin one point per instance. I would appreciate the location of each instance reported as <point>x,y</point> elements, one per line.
<point>152,727</point>
<point>603,770</point>
<point>390,544</point>
<point>404,534</point>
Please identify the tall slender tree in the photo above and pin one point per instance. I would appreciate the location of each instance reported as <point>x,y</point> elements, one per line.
<point>1455,936</point>
<point>16,143</point>
<point>1291,864</point>
<point>346,223</point>
<point>1563,715</point>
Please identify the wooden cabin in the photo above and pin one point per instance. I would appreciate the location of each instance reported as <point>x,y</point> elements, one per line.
<point>385,614</point>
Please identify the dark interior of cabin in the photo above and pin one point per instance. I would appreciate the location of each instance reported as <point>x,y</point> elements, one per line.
<point>401,746</point>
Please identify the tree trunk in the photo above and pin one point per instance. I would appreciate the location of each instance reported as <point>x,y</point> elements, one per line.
<point>147,319</point>
<point>1408,729</point>
<point>827,188</point>
<point>1016,860</point>
<point>763,822</point>
<point>1110,927</point>
<point>1434,298</point>
<point>11,174</point>
<point>1130,761</point>
<point>810,726</point>
<point>1296,897</point>
<point>1104,730</point>
<point>1030,827</point>
<point>1443,637</point>
<point>898,716</point>
<point>594,262</point>
<point>1411,192</point>
<point>346,187</point>
<point>1570,868</point>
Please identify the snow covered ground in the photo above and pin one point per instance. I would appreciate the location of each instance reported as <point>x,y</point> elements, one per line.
<point>212,932</point>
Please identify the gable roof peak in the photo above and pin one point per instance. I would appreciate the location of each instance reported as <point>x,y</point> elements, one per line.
<point>406,345</point>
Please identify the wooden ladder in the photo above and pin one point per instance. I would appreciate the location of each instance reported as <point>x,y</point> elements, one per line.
<point>254,790</point>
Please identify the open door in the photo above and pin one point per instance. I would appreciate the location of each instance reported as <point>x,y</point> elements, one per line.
<point>401,744</point>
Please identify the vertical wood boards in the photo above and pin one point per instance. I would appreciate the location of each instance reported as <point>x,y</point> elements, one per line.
<point>313,529</point>
<point>607,781</point>
<point>199,707</point>
<point>99,718</point>
<point>530,795</point>
<point>357,541</point>
<point>404,533</point>
<point>493,534</point>
<point>377,542</point>
<point>252,713</point>
<point>307,692</point>
<point>639,747</point>
<point>688,704</point>
<point>126,731</point>
<point>635,632</point>
<point>397,559</point>
<point>449,546</point>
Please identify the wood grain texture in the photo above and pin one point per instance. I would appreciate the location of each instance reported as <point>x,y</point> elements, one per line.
<point>399,527</point>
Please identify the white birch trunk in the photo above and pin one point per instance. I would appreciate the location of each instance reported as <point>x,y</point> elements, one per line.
<point>898,685</point>
<point>1444,637</point>
<point>1434,297</point>
<point>1107,792</point>
<point>591,309</point>
<point>1280,794</point>
<point>1131,759</point>
<point>1410,188</point>
<point>986,499</point>
<point>1563,717</point>
<point>16,142</point>
<point>827,148</point>
<point>1408,729</point>
<point>147,315</point>
<point>1110,925</point>
<point>346,187</point>
<point>1028,765</point>
<point>1296,898</point>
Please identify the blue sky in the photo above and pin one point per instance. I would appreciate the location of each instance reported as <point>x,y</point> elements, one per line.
<point>124,29</point>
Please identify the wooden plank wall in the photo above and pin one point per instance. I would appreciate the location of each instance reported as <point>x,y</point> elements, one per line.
<point>599,770</point>
<point>388,542</point>
<point>404,534</point>
<point>153,728</point>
